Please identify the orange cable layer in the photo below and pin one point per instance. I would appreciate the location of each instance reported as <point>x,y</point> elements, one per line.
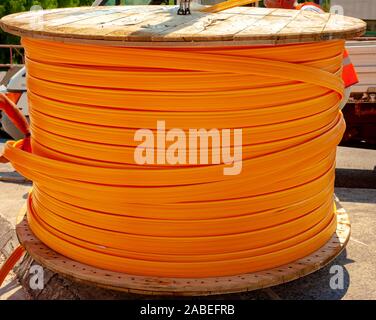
<point>93,203</point>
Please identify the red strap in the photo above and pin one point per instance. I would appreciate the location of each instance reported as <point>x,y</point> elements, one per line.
<point>19,120</point>
<point>11,262</point>
<point>15,115</point>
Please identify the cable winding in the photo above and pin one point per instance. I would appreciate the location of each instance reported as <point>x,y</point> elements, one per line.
<point>91,201</point>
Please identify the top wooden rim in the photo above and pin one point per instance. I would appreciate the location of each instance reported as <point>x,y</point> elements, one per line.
<point>160,26</point>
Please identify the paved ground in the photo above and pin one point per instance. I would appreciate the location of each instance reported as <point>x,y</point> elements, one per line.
<point>356,168</point>
<point>356,189</point>
<point>358,260</point>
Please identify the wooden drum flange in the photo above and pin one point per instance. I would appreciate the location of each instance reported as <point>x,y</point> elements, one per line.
<point>183,286</point>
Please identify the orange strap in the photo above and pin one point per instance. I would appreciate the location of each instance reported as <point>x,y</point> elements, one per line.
<point>227,5</point>
<point>19,120</point>
<point>10,263</point>
<point>94,204</point>
<point>15,115</point>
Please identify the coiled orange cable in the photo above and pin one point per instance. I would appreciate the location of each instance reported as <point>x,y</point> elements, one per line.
<point>94,204</point>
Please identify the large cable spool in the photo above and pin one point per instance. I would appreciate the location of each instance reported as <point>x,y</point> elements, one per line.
<point>90,93</point>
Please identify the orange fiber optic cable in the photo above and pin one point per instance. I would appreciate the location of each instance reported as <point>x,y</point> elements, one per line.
<point>93,203</point>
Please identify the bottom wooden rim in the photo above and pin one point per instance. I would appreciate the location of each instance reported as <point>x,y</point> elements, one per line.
<point>184,286</point>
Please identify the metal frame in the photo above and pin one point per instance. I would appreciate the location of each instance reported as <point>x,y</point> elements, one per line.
<point>13,48</point>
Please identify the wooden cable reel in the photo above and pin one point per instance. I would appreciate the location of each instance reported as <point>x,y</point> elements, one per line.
<point>159,28</point>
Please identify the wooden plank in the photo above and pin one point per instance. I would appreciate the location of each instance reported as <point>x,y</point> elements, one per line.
<point>270,23</point>
<point>189,27</point>
<point>362,59</point>
<point>360,88</point>
<point>27,19</point>
<point>144,29</point>
<point>162,24</point>
<point>338,24</point>
<point>363,56</point>
<point>113,24</point>
<point>305,24</point>
<point>227,25</point>
<point>366,75</point>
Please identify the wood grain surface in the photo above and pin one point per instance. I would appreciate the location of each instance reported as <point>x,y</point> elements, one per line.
<point>160,25</point>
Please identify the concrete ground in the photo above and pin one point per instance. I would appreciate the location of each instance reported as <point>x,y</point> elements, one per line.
<point>355,188</point>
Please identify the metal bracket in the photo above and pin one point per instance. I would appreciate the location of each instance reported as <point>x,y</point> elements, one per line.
<point>184,7</point>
